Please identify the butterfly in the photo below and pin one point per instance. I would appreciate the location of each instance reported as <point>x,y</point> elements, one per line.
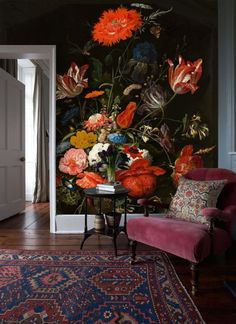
<point>68,183</point>
<point>85,50</point>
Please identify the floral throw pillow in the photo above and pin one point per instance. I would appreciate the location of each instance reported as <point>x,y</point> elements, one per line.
<point>192,196</point>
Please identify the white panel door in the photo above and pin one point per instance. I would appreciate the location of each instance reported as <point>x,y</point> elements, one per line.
<point>12,147</point>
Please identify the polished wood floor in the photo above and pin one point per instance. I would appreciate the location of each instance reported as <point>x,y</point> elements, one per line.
<point>30,230</point>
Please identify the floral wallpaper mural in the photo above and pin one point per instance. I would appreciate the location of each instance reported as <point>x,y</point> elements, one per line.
<point>116,117</point>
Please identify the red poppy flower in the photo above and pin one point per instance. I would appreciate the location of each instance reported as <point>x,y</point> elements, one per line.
<point>185,76</point>
<point>125,118</point>
<point>116,25</point>
<point>140,178</point>
<point>133,151</point>
<point>89,180</point>
<point>186,162</point>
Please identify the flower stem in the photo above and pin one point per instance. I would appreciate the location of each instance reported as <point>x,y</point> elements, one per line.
<point>141,133</point>
<point>152,113</point>
<point>118,70</point>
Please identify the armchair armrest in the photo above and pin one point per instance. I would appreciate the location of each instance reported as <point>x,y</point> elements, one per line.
<point>146,203</point>
<point>214,215</point>
<point>226,215</point>
<point>212,212</point>
<point>231,209</point>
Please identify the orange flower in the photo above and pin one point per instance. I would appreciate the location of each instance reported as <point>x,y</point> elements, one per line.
<point>116,25</point>
<point>186,162</point>
<point>94,94</point>
<point>185,76</point>
<point>140,178</point>
<point>89,180</point>
<point>125,118</point>
<point>72,84</point>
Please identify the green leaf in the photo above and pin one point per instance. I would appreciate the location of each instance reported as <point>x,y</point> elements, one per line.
<point>108,60</point>
<point>116,100</point>
<point>105,84</point>
<point>130,135</point>
<point>68,136</point>
<point>185,122</point>
<point>96,69</point>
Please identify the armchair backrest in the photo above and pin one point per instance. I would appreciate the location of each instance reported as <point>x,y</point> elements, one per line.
<point>228,194</point>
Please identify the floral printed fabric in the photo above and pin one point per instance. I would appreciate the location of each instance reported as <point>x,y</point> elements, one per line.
<point>192,196</point>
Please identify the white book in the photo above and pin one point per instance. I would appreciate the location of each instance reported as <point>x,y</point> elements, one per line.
<point>110,189</point>
<point>109,186</point>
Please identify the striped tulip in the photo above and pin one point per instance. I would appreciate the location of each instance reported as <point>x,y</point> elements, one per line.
<point>184,77</point>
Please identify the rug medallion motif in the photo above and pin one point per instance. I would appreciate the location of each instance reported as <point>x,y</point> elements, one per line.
<point>91,287</point>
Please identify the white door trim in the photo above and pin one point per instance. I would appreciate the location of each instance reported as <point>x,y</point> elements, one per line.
<point>42,52</point>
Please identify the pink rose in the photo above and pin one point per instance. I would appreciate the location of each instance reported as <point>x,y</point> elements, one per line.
<point>73,162</point>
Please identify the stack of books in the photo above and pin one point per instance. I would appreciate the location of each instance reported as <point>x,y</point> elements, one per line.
<point>110,187</point>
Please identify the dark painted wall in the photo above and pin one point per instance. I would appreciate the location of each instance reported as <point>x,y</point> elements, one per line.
<point>70,25</point>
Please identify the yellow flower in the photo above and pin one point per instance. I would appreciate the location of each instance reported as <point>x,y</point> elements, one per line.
<point>83,140</point>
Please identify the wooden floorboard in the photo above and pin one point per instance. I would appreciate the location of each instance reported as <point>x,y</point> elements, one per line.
<point>30,230</point>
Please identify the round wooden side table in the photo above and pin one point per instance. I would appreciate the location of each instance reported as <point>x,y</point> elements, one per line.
<point>108,231</point>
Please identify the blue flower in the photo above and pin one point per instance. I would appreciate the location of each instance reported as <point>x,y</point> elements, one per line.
<point>62,147</point>
<point>69,114</point>
<point>117,138</point>
<point>145,52</point>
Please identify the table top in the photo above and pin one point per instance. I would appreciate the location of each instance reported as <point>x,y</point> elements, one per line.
<point>100,193</point>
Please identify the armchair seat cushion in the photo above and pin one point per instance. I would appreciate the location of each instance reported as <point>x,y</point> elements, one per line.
<point>190,241</point>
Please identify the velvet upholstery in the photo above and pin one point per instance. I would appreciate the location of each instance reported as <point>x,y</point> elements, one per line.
<point>188,240</point>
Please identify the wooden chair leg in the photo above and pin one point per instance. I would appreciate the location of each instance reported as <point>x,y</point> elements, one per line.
<point>133,246</point>
<point>195,277</point>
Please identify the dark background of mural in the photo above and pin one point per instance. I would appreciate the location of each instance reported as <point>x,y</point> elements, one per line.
<point>65,22</point>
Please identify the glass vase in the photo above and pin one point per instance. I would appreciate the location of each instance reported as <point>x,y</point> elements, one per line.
<point>111,175</point>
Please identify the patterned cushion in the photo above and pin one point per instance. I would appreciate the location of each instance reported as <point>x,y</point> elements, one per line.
<point>192,196</point>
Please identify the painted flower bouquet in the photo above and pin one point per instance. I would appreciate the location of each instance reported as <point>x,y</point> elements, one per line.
<point>112,111</point>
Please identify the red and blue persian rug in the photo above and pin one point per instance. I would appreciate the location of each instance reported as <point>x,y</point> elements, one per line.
<point>91,287</point>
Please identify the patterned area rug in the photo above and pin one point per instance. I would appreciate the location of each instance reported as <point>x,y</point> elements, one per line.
<point>91,287</point>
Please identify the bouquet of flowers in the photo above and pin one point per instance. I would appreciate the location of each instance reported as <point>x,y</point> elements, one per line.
<point>112,111</point>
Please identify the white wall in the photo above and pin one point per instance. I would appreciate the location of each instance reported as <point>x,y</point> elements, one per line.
<point>227,84</point>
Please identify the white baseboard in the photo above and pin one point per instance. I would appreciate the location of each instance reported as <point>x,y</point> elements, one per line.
<point>73,224</point>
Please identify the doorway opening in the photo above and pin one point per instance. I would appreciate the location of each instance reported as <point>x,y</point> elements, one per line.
<point>42,52</point>
<point>26,73</point>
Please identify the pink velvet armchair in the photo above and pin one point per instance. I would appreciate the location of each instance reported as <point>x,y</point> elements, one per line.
<point>191,241</point>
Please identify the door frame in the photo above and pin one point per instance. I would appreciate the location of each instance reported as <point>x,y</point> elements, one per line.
<point>42,52</point>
